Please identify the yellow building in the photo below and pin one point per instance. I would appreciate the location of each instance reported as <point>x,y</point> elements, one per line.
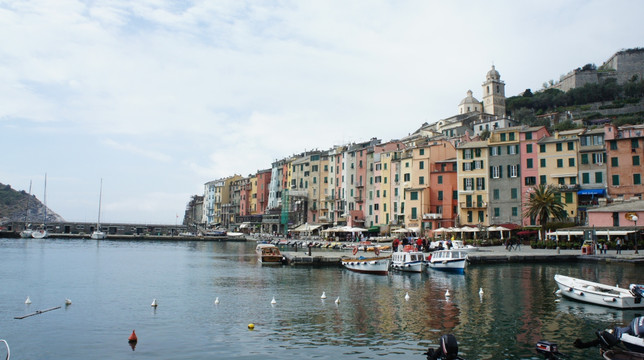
<point>472,162</point>
<point>558,166</point>
<point>252,195</point>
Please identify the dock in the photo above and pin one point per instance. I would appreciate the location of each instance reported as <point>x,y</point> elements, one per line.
<point>486,255</point>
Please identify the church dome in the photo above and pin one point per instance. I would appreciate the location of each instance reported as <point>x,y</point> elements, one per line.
<point>493,74</point>
<point>469,99</point>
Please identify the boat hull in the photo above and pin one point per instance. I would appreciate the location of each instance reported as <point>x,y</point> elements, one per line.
<point>98,235</point>
<point>39,234</point>
<point>268,254</point>
<point>26,234</point>
<point>409,261</point>
<point>375,266</point>
<point>448,260</point>
<point>597,293</point>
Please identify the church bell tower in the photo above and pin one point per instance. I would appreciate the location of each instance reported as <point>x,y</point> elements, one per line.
<point>494,94</point>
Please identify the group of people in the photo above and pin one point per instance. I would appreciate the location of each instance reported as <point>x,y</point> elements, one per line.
<point>420,244</point>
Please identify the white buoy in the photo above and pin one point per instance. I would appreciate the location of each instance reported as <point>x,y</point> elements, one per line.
<point>217,300</point>
<point>447,293</point>
<point>407,296</point>
<point>28,301</point>
<point>337,301</point>
<point>154,303</point>
<point>481,291</point>
<point>323,295</point>
<point>273,302</point>
<point>68,302</point>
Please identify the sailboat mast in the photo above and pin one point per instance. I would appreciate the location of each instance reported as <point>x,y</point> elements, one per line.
<point>100,199</point>
<point>45,220</point>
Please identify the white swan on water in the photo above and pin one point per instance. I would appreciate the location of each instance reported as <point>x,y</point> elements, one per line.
<point>323,295</point>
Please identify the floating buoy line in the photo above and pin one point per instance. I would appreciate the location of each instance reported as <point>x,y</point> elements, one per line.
<point>38,312</point>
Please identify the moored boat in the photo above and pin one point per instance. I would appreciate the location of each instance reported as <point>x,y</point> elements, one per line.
<point>448,260</point>
<point>269,254</point>
<point>600,294</point>
<point>99,234</point>
<point>408,260</point>
<point>371,265</point>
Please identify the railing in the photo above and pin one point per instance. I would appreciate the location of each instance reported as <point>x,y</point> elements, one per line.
<point>473,205</point>
<point>358,199</point>
<point>566,188</point>
<point>432,216</point>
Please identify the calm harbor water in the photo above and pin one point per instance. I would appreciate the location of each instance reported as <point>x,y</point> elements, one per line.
<point>113,283</point>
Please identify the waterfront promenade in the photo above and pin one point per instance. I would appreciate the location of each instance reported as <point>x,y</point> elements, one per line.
<point>485,255</point>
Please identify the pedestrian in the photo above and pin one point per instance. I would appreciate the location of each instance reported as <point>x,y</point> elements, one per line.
<point>619,246</point>
<point>605,248</point>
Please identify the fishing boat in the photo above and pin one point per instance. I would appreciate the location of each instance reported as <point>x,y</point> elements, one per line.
<point>408,260</point>
<point>448,260</point>
<point>367,265</point>
<point>27,232</point>
<point>42,232</point>
<point>600,294</point>
<point>98,234</point>
<point>269,254</point>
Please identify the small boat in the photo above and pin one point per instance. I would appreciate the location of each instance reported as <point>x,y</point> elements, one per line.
<point>448,260</point>
<point>269,254</point>
<point>408,260</point>
<point>600,294</point>
<point>98,234</point>
<point>42,232</point>
<point>371,265</point>
<point>620,342</point>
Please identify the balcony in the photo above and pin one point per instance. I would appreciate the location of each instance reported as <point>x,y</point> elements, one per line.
<point>432,216</point>
<point>298,193</point>
<point>474,205</point>
<point>359,185</point>
<point>358,199</point>
<point>330,197</point>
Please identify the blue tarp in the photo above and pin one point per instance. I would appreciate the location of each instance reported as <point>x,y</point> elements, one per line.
<point>591,192</point>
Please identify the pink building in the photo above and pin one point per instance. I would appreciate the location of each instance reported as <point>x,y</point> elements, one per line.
<point>529,162</point>
<point>263,181</point>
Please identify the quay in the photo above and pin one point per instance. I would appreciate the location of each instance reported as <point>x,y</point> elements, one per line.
<point>485,255</point>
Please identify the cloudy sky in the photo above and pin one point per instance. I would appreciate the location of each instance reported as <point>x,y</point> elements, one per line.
<point>158,97</point>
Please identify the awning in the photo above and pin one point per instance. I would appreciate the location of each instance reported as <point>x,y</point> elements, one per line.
<point>244,225</point>
<point>591,192</point>
<point>374,229</point>
<point>306,227</point>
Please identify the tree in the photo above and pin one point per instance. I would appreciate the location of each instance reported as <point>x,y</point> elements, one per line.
<point>545,203</point>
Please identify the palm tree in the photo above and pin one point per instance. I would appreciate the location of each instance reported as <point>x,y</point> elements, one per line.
<point>543,204</point>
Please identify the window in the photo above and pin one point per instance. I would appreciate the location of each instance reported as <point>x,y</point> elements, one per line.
<point>615,180</point>
<point>495,151</point>
<point>559,146</point>
<point>514,193</point>
<point>480,183</point>
<point>614,162</point>
<point>542,179</point>
<point>634,144</point>
<point>495,172</point>
<point>469,216</point>
<point>455,195</point>
<point>477,152</point>
<point>413,213</point>
<point>584,159</point>
<point>478,165</point>
<point>528,135</point>
<point>613,144</point>
<point>421,165</point>
<point>514,170</point>
<point>481,216</point>
<point>571,145</point>
<point>503,136</point>
<point>406,177</point>
<point>511,136</point>
<point>515,211</point>
<point>440,195</point>
<point>440,179</point>
<point>585,178</point>
<point>573,180</point>
<point>599,177</point>
<point>559,163</point>
<point>542,148</point>
<point>529,164</point>
<point>497,212</point>
<point>512,149</point>
<point>636,160</point>
<point>561,181</point>
<point>531,180</point>
<point>495,194</point>
<point>598,158</point>
<point>467,154</point>
<point>421,151</point>
<point>637,179</point>
<point>542,162</point>
<point>571,162</point>
<point>569,198</point>
<point>467,166</point>
<point>469,184</point>
<point>528,148</point>
<point>421,180</point>
<point>413,195</point>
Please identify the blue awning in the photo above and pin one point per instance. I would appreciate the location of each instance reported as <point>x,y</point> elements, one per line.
<point>591,192</point>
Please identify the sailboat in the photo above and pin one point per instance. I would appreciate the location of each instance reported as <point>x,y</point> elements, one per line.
<point>42,233</point>
<point>26,233</point>
<point>98,234</point>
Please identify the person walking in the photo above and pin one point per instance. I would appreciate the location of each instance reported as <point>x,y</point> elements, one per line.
<point>619,246</point>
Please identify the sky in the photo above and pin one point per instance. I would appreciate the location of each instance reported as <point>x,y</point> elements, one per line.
<point>158,97</point>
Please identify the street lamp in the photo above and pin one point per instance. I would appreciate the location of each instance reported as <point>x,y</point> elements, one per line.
<point>637,232</point>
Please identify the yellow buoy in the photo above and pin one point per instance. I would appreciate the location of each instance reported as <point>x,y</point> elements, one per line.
<point>251,326</point>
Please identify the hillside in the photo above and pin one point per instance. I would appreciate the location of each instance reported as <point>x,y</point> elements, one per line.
<point>13,205</point>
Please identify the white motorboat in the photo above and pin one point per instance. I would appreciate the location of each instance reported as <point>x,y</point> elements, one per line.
<point>411,261</point>
<point>372,265</point>
<point>600,294</point>
<point>98,234</point>
<point>448,260</point>
<point>269,254</point>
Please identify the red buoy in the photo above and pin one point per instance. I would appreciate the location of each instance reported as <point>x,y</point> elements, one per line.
<point>132,337</point>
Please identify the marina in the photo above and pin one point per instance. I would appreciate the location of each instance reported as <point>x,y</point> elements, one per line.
<point>208,292</point>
